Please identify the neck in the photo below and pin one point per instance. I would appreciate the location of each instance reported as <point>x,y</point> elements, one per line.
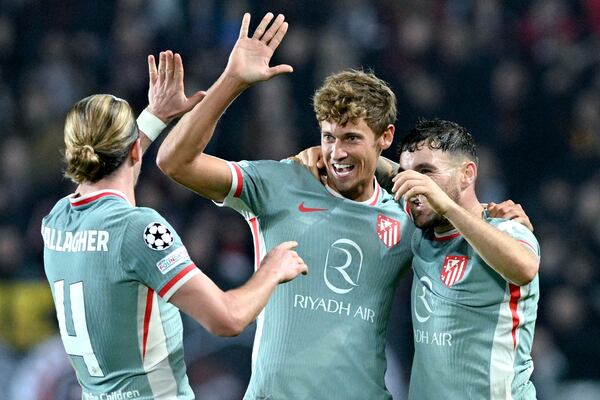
<point>469,202</point>
<point>116,181</point>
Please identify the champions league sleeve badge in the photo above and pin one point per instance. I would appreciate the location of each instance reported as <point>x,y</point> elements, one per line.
<point>157,236</point>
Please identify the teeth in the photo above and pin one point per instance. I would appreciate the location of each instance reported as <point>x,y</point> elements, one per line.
<point>342,166</point>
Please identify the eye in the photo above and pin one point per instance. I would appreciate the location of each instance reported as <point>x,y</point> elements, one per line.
<point>425,171</point>
<point>353,138</point>
<point>327,137</point>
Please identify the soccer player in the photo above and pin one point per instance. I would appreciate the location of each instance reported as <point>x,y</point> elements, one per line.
<point>475,288</point>
<point>119,273</point>
<point>321,336</point>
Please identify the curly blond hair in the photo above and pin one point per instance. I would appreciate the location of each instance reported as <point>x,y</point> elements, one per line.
<point>353,94</point>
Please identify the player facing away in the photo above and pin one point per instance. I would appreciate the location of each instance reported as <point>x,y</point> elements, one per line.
<point>475,287</point>
<point>321,336</point>
<point>119,273</point>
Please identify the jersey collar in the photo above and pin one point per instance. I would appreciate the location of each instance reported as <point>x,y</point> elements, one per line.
<point>78,200</point>
<point>448,235</point>
<point>370,202</point>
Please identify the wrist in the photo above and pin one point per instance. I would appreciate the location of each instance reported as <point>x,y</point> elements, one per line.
<point>150,124</point>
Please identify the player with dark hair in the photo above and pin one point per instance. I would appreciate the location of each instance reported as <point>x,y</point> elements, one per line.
<point>475,288</point>
<point>119,273</point>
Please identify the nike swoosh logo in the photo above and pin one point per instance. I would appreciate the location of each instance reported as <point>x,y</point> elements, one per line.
<point>304,209</point>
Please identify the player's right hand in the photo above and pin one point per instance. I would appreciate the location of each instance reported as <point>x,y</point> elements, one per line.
<point>284,262</point>
<point>249,60</point>
<point>166,92</point>
<point>312,159</point>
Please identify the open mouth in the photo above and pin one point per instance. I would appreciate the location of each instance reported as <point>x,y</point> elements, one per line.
<point>342,169</point>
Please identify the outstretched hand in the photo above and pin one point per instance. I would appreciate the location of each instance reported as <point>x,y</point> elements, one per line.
<point>250,57</point>
<point>166,93</point>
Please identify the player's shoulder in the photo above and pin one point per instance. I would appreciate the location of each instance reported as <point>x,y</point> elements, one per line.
<point>511,227</point>
<point>147,223</point>
<point>283,169</point>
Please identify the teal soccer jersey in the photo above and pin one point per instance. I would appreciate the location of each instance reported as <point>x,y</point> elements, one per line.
<point>112,268</point>
<point>473,329</point>
<point>322,336</point>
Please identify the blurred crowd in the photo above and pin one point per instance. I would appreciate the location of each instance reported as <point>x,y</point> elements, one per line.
<point>522,76</point>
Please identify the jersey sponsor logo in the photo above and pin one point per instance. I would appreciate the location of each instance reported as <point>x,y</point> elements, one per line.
<point>157,236</point>
<point>422,306</point>
<point>173,259</point>
<point>343,265</point>
<point>303,209</point>
<point>423,310</point>
<point>388,230</point>
<point>453,269</point>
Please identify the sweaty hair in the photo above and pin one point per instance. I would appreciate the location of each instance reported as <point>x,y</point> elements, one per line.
<point>99,131</point>
<point>441,135</point>
<point>352,94</point>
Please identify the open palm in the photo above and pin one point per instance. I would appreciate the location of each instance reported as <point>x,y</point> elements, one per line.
<point>250,57</point>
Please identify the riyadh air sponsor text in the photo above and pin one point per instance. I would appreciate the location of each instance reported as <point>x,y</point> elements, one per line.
<point>423,310</point>
<point>332,306</point>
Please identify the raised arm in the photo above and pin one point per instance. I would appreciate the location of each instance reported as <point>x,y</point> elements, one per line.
<point>500,251</point>
<point>228,313</point>
<point>166,96</point>
<point>181,155</point>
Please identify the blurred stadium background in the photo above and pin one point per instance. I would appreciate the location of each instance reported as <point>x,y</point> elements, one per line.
<point>523,76</point>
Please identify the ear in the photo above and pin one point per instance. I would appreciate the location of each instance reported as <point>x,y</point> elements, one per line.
<point>386,138</point>
<point>469,174</point>
<point>135,151</point>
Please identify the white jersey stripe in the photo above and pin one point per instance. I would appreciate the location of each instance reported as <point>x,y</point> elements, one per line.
<point>260,252</point>
<point>502,371</point>
<point>156,358</point>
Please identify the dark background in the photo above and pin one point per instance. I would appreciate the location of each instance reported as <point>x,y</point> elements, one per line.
<point>523,77</point>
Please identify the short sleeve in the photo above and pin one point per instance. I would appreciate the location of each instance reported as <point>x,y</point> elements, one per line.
<point>254,184</point>
<point>153,253</point>
<point>520,233</point>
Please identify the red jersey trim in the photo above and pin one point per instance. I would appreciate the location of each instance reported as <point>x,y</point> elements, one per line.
<point>444,238</point>
<point>515,296</point>
<point>255,235</point>
<point>176,279</point>
<point>529,245</point>
<point>240,180</point>
<point>377,194</point>
<point>147,315</point>
<point>86,199</point>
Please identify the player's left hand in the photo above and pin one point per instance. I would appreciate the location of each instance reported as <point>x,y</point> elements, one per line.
<point>412,184</point>
<point>249,60</point>
<point>166,93</point>
<point>510,210</point>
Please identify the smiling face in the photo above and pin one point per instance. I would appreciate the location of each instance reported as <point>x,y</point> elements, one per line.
<point>444,169</point>
<point>350,153</point>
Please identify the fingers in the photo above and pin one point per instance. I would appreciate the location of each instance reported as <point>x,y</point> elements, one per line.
<point>260,29</point>
<point>195,99</point>
<point>266,38</point>
<point>162,65</point>
<point>177,68</point>
<point>245,26</point>
<point>287,245</point>
<point>278,36</point>
<point>152,71</point>
<point>169,65</point>
<point>280,69</point>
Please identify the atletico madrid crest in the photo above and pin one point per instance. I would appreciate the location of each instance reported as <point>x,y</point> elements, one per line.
<point>454,269</point>
<point>388,230</point>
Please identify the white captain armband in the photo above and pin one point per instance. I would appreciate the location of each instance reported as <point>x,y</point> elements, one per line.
<point>150,124</point>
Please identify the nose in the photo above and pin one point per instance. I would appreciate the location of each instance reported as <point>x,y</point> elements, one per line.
<point>338,152</point>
